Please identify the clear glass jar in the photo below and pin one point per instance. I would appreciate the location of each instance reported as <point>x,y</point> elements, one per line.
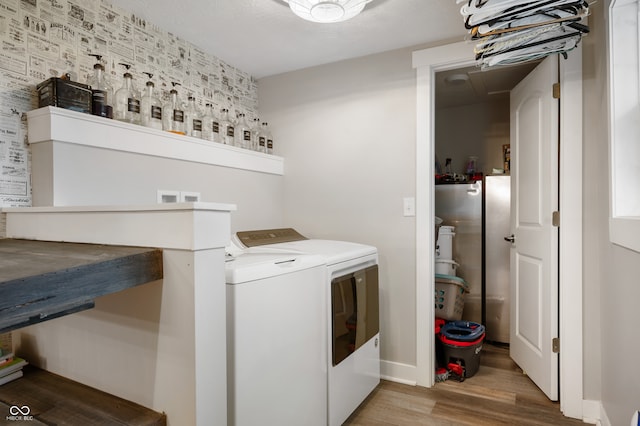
<point>173,113</point>
<point>193,118</point>
<point>207,120</point>
<point>127,101</point>
<point>101,90</point>
<point>227,128</point>
<point>150,106</point>
<point>262,137</point>
<point>255,132</point>
<point>243,132</point>
<point>268,139</point>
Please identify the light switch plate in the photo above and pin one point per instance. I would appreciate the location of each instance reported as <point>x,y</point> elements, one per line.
<point>409,206</point>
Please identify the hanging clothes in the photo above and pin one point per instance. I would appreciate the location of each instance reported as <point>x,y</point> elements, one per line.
<point>509,32</point>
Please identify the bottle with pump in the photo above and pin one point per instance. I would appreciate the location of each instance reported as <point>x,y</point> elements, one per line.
<point>193,118</point>
<point>255,133</point>
<point>101,90</point>
<point>215,127</point>
<point>173,113</point>
<point>207,119</point>
<point>210,125</point>
<point>227,129</point>
<point>243,133</point>
<point>150,106</point>
<point>127,105</point>
<point>262,138</point>
<point>268,138</point>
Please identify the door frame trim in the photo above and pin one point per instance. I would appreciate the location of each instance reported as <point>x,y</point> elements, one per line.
<point>457,55</point>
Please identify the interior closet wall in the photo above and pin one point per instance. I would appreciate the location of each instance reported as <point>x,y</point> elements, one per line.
<point>476,129</point>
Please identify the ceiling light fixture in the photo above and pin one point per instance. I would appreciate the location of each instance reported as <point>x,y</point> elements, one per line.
<point>326,11</point>
<point>456,79</point>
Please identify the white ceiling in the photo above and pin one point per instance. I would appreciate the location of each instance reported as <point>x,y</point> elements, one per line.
<point>475,86</point>
<point>263,37</point>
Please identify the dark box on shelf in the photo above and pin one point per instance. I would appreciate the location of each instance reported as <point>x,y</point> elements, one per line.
<point>64,94</point>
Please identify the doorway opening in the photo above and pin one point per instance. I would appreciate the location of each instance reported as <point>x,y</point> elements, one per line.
<point>472,168</point>
<point>458,55</point>
<point>521,296</point>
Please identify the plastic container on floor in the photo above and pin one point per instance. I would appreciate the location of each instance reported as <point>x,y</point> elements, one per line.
<point>460,346</point>
<point>462,331</point>
<point>449,296</point>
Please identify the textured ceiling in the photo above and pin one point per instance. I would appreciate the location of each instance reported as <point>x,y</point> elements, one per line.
<point>263,37</point>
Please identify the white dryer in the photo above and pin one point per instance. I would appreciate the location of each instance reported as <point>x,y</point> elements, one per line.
<point>276,334</point>
<point>352,309</point>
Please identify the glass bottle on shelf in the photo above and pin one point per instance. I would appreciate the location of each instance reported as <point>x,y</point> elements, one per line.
<point>255,131</point>
<point>127,104</point>
<point>227,129</point>
<point>101,90</point>
<point>268,138</point>
<point>243,132</point>
<point>150,106</point>
<point>262,138</point>
<point>193,118</point>
<point>173,113</point>
<point>210,125</point>
<point>207,119</point>
<point>216,134</point>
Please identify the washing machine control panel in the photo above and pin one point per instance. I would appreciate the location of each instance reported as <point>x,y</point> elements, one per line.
<point>268,236</point>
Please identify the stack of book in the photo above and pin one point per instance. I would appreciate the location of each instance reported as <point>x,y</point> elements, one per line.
<point>10,367</point>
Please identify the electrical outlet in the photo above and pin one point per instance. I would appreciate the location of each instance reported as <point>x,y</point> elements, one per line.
<point>167,196</point>
<point>189,197</point>
<point>409,206</point>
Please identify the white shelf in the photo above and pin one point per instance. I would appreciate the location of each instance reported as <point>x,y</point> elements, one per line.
<point>62,125</point>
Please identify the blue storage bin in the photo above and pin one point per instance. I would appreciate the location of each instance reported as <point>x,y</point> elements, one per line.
<point>462,331</point>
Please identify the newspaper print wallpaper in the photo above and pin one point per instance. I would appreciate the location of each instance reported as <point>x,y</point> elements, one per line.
<point>40,39</point>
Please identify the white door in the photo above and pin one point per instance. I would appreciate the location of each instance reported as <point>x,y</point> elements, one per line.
<point>534,251</point>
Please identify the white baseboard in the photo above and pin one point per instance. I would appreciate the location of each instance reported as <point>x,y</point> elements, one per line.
<point>593,412</point>
<point>398,372</point>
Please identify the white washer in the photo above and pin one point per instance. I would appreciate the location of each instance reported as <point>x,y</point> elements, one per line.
<point>276,334</point>
<point>352,312</point>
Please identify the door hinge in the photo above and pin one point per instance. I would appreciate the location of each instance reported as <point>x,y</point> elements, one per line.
<point>556,91</point>
<point>555,345</point>
<point>555,219</point>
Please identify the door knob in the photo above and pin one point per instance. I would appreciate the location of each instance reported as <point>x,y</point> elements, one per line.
<point>511,238</point>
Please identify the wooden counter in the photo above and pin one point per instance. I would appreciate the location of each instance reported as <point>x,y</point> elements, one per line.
<point>42,280</point>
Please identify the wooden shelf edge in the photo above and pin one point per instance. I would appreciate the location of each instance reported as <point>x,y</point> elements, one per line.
<point>42,280</point>
<point>25,319</point>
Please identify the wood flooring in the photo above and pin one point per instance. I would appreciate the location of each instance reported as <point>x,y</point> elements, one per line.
<point>54,400</point>
<point>498,394</point>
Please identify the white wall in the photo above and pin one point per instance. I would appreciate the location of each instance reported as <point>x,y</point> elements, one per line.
<point>347,133</point>
<point>485,130</point>
<point>94,176</point>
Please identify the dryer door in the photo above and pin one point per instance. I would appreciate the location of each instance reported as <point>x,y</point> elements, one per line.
<point>355,311</point>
